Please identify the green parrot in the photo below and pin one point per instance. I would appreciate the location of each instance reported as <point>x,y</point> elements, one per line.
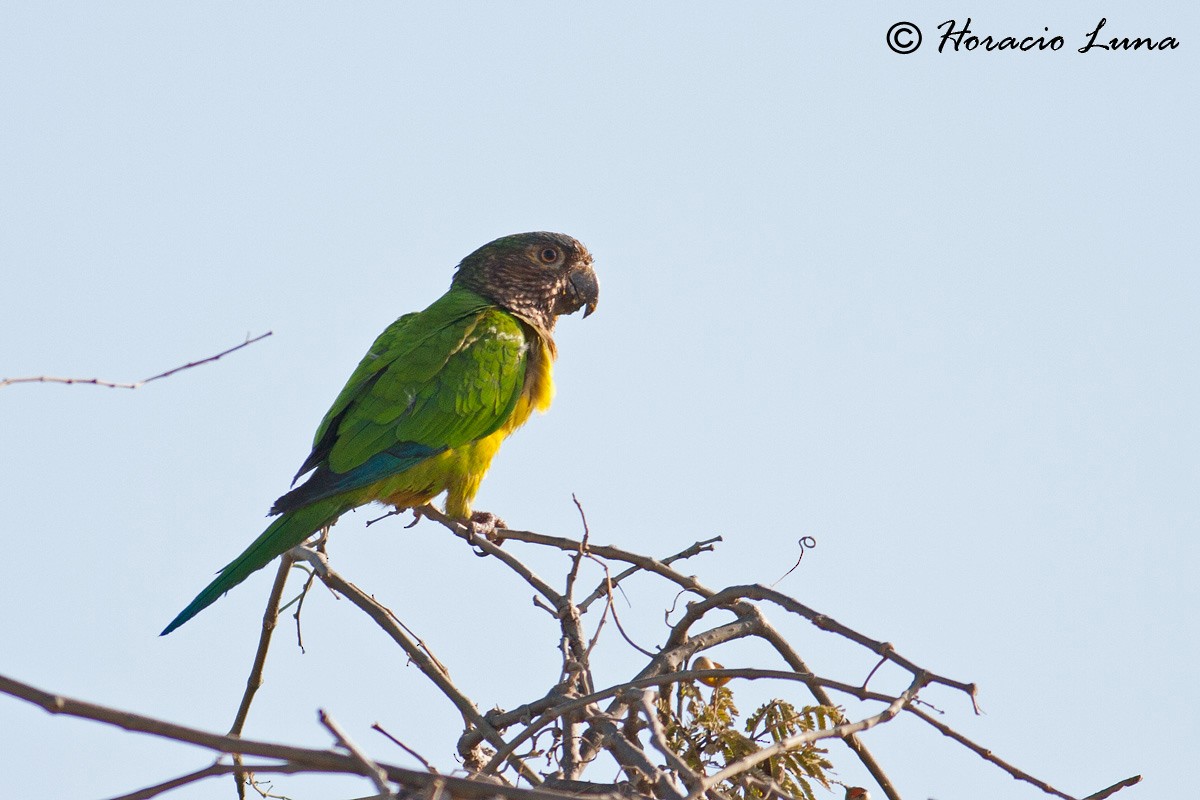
<point>430,403</point>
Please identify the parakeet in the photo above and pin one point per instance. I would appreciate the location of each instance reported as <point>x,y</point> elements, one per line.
<point>430,403</point>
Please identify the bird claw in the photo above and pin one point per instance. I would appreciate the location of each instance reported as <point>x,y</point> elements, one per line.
<point>488,525</point>
<point>418,513</point>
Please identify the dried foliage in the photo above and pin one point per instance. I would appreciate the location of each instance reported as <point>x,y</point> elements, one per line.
<point>708,737</point>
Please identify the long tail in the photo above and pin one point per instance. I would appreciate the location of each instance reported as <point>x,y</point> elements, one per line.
<point>280,536</point>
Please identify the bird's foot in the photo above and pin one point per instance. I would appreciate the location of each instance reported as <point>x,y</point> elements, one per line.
<point>488,525</point>
<point>418,513</point>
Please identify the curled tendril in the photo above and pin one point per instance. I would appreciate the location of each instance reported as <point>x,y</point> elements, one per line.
<point>806,543</point>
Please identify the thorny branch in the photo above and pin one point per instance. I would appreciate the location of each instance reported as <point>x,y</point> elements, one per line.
<point>135,384</point>
<point>585,722</point>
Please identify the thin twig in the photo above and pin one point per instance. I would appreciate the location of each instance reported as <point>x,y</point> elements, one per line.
<point>270,615</point>
<point>575,703</point>
<point>421,643</point>
<point>1116,787</point>
<point>384,618</point>
<point>806,543</point>
<point>379,728</point>
<point>378,776</point>
<point>573,699</point>
<point>855,744</point>
<point>801,739</point>
<point>319,544</point>
<point>302,759</point>
<point>136,384</point>
<point>825,623</point>
<point>690,584</point>
<point>464,532</point>
<point>874,669</point>
<point>216,770</point>
<point>183,780</point>
<point>599,627</point>
<point>308,582</point>
<point>658,738</point>
<point>634,760</point>
<point>705,546</point>
<point>988,755</point>
<point>327,760</point>
<point>577,558</point>
<point>612,606</point>
<point>752,616</point>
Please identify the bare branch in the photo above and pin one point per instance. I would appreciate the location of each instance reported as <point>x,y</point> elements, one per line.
<point>270,615</point>
<point>705,546</point>
<point>658,738</point>
<point>136,384</point>
<point>645,563</point>
<point>1116,787</point>
<point>432,670</point>
<point>634,760</point>
<point>175,783</point>
<point>213,771</point>
<point>579,554</point>
<point>377,775</point>
<point>297,759</point>
<point>612,606</point>
<point>989,756</point>
<point>801,739</point>
<point>465,533</point>
<point>576,703</point>
<point>689,583</point>
<point>789,655</point>
<point>379,728</point>
<point>825,623</point>
<point>627,728</point>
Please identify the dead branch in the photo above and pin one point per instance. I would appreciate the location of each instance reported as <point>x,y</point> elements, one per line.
<point>801,739</point>
<point>295,759</point>
<point>270,615</point>
<point>136,384</point>
<point>432,670</point>
<point>424,762</point>
<point>369,767</point>
<point>620,721</point>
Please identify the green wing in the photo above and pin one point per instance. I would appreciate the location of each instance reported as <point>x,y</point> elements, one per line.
<point>434,380</point>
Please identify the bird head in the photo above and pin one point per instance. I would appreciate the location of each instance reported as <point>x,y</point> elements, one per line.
<point>857,793</point>
<point>538,276</point>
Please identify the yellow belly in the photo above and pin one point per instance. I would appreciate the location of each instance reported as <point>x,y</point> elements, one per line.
<point>459,471</point>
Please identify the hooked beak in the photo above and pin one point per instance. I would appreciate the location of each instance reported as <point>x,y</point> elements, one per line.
<point>584,290</point>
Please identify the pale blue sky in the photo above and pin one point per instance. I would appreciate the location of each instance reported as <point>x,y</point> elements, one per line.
<point>938,311</point>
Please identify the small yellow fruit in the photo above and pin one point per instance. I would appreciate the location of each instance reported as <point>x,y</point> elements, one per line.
<point>704,662</point>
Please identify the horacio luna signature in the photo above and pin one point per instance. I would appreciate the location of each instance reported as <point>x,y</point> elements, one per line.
<point>964,39</point>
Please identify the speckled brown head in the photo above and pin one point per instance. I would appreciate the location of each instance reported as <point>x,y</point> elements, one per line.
<point>538,276</point>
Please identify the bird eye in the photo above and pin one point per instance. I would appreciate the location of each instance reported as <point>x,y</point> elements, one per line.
<point>548,255</point>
